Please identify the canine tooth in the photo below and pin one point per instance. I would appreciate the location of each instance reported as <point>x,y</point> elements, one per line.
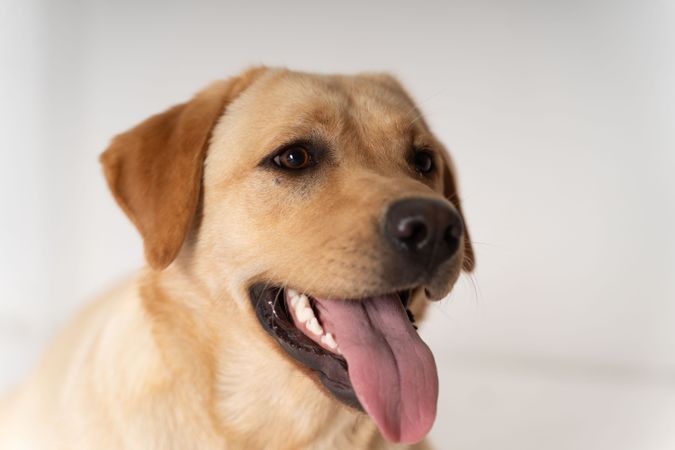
<point>314,327</point>
<point>292,293</point>
<point>304,314</point>
<point>328,340</point>
<point>294,301</point>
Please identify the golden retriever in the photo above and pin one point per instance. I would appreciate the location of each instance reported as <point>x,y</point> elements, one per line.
<point>295,226</point>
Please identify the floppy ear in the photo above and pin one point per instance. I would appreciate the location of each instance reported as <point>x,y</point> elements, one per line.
<point>155,169</point>
<point>451,193</point>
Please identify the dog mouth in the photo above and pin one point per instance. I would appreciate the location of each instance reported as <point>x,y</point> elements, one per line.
<point>366,352</point>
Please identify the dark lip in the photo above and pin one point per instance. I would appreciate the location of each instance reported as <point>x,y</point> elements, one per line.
<point>270,307</point>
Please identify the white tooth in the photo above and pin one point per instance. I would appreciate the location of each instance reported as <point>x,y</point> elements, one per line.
<point>294,301</point>
<point>292,293</point>
<point>304,314</point>
<point>302,303</point>
<point>314,327</point>
<point>328,340</point>
<point>297,306</point>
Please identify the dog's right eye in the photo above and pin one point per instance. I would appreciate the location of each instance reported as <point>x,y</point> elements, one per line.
<point>294,158</point>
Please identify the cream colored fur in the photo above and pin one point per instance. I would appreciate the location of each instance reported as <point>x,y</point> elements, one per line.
<point>175,358</point>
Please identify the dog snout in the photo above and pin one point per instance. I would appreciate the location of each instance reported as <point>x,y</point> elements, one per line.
<point>423,230</point>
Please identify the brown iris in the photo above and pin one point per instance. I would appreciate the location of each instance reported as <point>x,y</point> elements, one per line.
<point>294,158</point>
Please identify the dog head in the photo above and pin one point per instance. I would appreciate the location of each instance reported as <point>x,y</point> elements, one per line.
<point>325,206</point>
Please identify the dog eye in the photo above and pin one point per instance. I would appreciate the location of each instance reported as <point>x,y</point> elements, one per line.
<point>423,161</point>
<point>294,158</point>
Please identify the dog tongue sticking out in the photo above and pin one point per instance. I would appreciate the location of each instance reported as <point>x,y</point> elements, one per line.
<point>391,369</point>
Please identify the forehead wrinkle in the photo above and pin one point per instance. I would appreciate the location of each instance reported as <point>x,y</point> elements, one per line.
<point>333,99</point>
<point>376,128</point>
<point>367,146</point>
<point>306,101</point>
<point>363,100</point>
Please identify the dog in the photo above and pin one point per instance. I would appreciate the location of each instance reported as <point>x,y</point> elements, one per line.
<point>295,227</point>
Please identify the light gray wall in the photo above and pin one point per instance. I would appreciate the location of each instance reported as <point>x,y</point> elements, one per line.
<point>560,116</point>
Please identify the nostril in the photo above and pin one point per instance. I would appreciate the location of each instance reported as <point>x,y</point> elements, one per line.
<point>413,232</point>
<point>453,234</point>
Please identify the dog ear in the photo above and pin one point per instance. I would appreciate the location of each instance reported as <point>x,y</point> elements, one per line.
<point>155,169</point>
<point>451,192</point>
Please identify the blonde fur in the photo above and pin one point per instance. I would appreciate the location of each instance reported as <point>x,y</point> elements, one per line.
<point>175,357</point>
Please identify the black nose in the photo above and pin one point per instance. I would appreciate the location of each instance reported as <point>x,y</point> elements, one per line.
<point>424,230</point>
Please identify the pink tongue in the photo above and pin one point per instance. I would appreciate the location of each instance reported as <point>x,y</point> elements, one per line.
<point>391,369</point>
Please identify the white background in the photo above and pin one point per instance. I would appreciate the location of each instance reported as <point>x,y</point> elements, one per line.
<point>561,119</point>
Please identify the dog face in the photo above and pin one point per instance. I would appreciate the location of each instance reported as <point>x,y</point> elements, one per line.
<point>325,206</point>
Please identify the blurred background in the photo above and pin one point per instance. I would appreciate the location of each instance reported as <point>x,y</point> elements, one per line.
<point>561,120</point>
